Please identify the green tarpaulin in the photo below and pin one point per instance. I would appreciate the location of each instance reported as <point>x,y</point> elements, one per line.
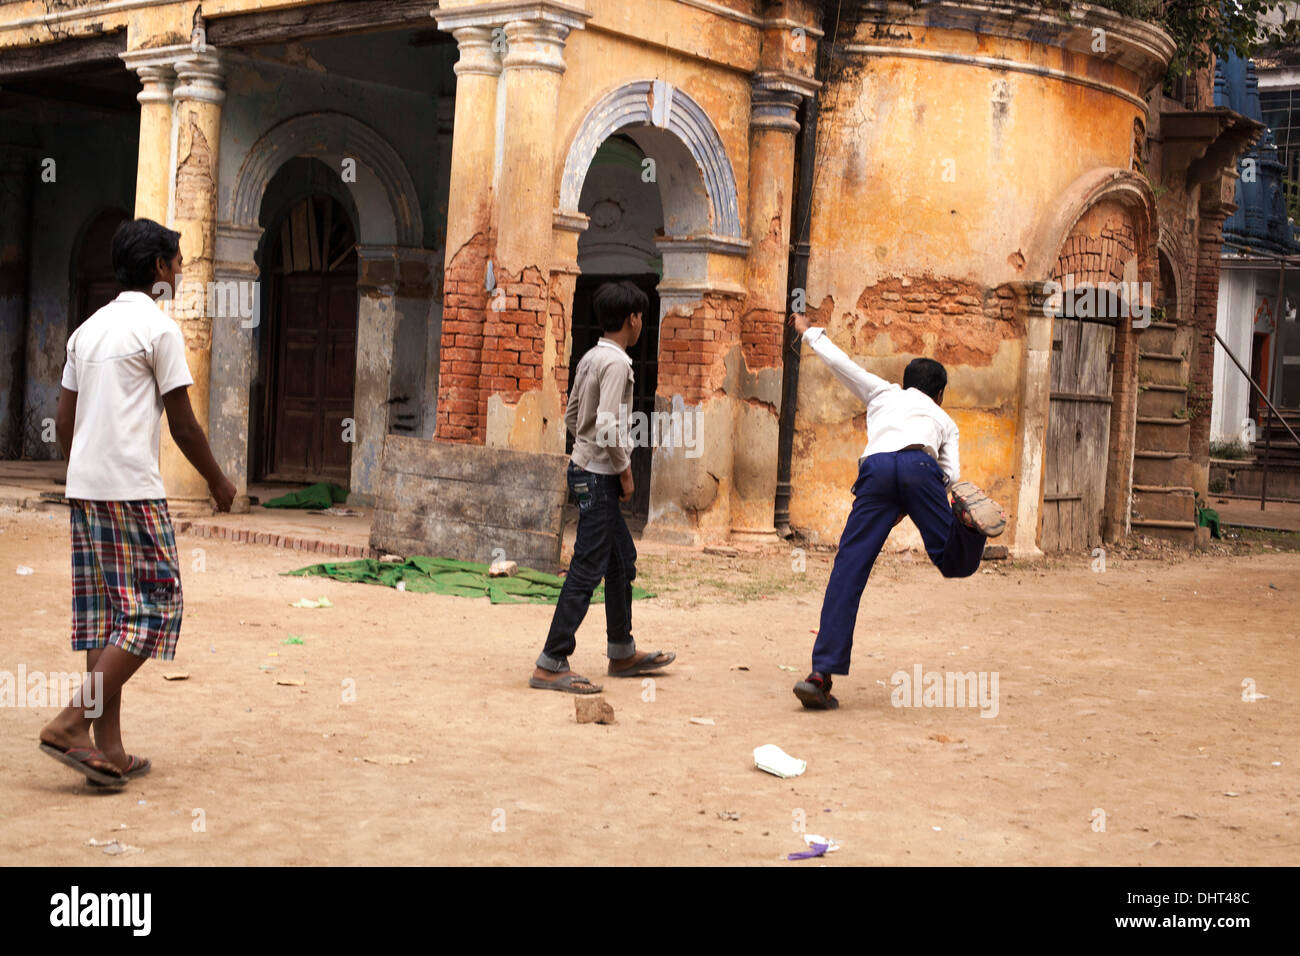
<point>316,497</point>
<point>1208,518</point>
<point>448,576</point>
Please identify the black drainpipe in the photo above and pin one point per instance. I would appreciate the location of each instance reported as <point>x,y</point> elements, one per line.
<point>804,165</point>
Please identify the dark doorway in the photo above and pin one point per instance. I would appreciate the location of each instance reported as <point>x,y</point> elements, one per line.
<point>645,367</point>
<point>311,343</point>
<point>94,284</point>
<point>1259,370</point>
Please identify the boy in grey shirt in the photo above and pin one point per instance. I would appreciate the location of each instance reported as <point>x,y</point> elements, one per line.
<point>600,476</point>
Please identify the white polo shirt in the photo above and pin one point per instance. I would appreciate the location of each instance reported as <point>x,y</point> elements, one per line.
<point>897,417</point>
<point>121,362</point>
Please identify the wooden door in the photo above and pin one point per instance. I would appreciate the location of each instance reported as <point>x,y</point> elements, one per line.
<point>1078,434</point>
<point>314,298</point>
<point>645,367</point>
<point>96,284</point>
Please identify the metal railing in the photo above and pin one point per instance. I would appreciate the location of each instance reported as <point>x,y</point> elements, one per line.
<point>1268,428</point>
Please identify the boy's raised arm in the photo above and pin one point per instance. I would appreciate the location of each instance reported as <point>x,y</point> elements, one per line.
<point>853,376</point>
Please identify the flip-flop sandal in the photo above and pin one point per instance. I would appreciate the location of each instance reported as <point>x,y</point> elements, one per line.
<point>135,767</point>
<point>647,665</point>
<point>565,683</point>
<point>78,759</point>
<point>985,515</point>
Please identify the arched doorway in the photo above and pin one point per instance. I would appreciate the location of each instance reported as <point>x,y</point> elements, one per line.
<point>309,345</point>
<point>1101,251</point>
<point>93,283</point>
<point>683,182</point>
<point>625,215</point>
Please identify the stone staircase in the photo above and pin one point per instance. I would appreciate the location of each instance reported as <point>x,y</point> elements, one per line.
<point>1163,503</point>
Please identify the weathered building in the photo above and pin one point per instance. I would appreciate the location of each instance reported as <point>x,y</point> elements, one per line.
<point>427,193</point>
<point>1260,284</point>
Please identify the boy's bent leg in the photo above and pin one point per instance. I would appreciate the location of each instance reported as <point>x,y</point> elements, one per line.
<point>107,726</point>
<point>113,667</point>
<point>127,607</point>
<point>624,659</point>
<point>619,575</point>
<point>954,549</point>
<point>869,523</point>
<point>590,561</point>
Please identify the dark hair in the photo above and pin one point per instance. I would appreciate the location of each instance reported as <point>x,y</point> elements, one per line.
<point>925,375</point>
<point>137,245</point>
<point>615,301</point>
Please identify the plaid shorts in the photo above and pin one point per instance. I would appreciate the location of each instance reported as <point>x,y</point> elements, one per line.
<point>126,582</point>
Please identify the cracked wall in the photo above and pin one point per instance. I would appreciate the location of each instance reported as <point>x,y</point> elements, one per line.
<point>936,176</point>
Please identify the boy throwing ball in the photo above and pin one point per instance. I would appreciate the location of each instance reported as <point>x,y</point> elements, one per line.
<point>909,467</point>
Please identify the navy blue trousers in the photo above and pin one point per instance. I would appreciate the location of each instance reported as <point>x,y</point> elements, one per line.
<point>889,484</point>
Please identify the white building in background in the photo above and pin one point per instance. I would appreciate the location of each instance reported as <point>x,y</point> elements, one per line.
<point>1260,239</point>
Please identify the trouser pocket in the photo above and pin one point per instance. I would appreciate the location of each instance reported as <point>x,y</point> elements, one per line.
<point>585,488</point>
<point>157,592</point>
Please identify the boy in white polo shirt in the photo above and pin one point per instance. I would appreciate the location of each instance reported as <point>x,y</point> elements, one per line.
<point>125,365</point>
<point>909,467</point>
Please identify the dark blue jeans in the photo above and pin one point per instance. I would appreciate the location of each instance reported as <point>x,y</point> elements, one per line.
<point>906,482</point>
<point>603,549</point>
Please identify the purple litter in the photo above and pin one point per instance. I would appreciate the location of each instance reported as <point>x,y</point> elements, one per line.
<point>815,849</point>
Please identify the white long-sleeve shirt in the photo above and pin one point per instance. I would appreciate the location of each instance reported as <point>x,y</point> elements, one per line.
<point>897,418</point>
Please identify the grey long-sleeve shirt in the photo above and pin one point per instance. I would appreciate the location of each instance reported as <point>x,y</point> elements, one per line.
<point>599,408</point>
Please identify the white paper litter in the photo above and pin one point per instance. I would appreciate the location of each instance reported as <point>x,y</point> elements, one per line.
<point>25,570</point>
<point>704,721</point>
<point>306,602</point>
<point>113,847</point>
<point>776,761</point>
<point>811,838</point>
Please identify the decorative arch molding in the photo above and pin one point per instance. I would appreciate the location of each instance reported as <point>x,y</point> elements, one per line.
<point>657,104</point>
<point>1170,249</point>
<point>384,193</point>
<point>1105,184</point>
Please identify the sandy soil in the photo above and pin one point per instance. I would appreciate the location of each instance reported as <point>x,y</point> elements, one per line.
<point>1118,692</point>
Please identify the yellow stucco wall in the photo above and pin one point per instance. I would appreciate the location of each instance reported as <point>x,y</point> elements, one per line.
<point>941,172</point>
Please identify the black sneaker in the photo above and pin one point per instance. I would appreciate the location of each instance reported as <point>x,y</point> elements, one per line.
<point>814,692</point>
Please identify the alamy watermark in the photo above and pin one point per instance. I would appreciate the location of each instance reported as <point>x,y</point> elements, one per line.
<point>1111,301</point>
<point>679,428</point>
<point>946,689</point>
<point>222,298</point>
<point>53,689</point>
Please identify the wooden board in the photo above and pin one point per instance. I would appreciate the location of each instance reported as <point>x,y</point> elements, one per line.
<point>469,502</point>
<point>1078,435</point>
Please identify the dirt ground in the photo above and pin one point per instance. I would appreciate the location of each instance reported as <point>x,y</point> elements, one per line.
<point>1120,693</point>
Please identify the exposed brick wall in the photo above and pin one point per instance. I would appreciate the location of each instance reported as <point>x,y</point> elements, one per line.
<point>693,346</point>
<point>1099,246</point>
<point>464,305</point>
<point>761,338</point>
<point>514,331</point>
<point>966,323</point>
<point>562,289</point>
